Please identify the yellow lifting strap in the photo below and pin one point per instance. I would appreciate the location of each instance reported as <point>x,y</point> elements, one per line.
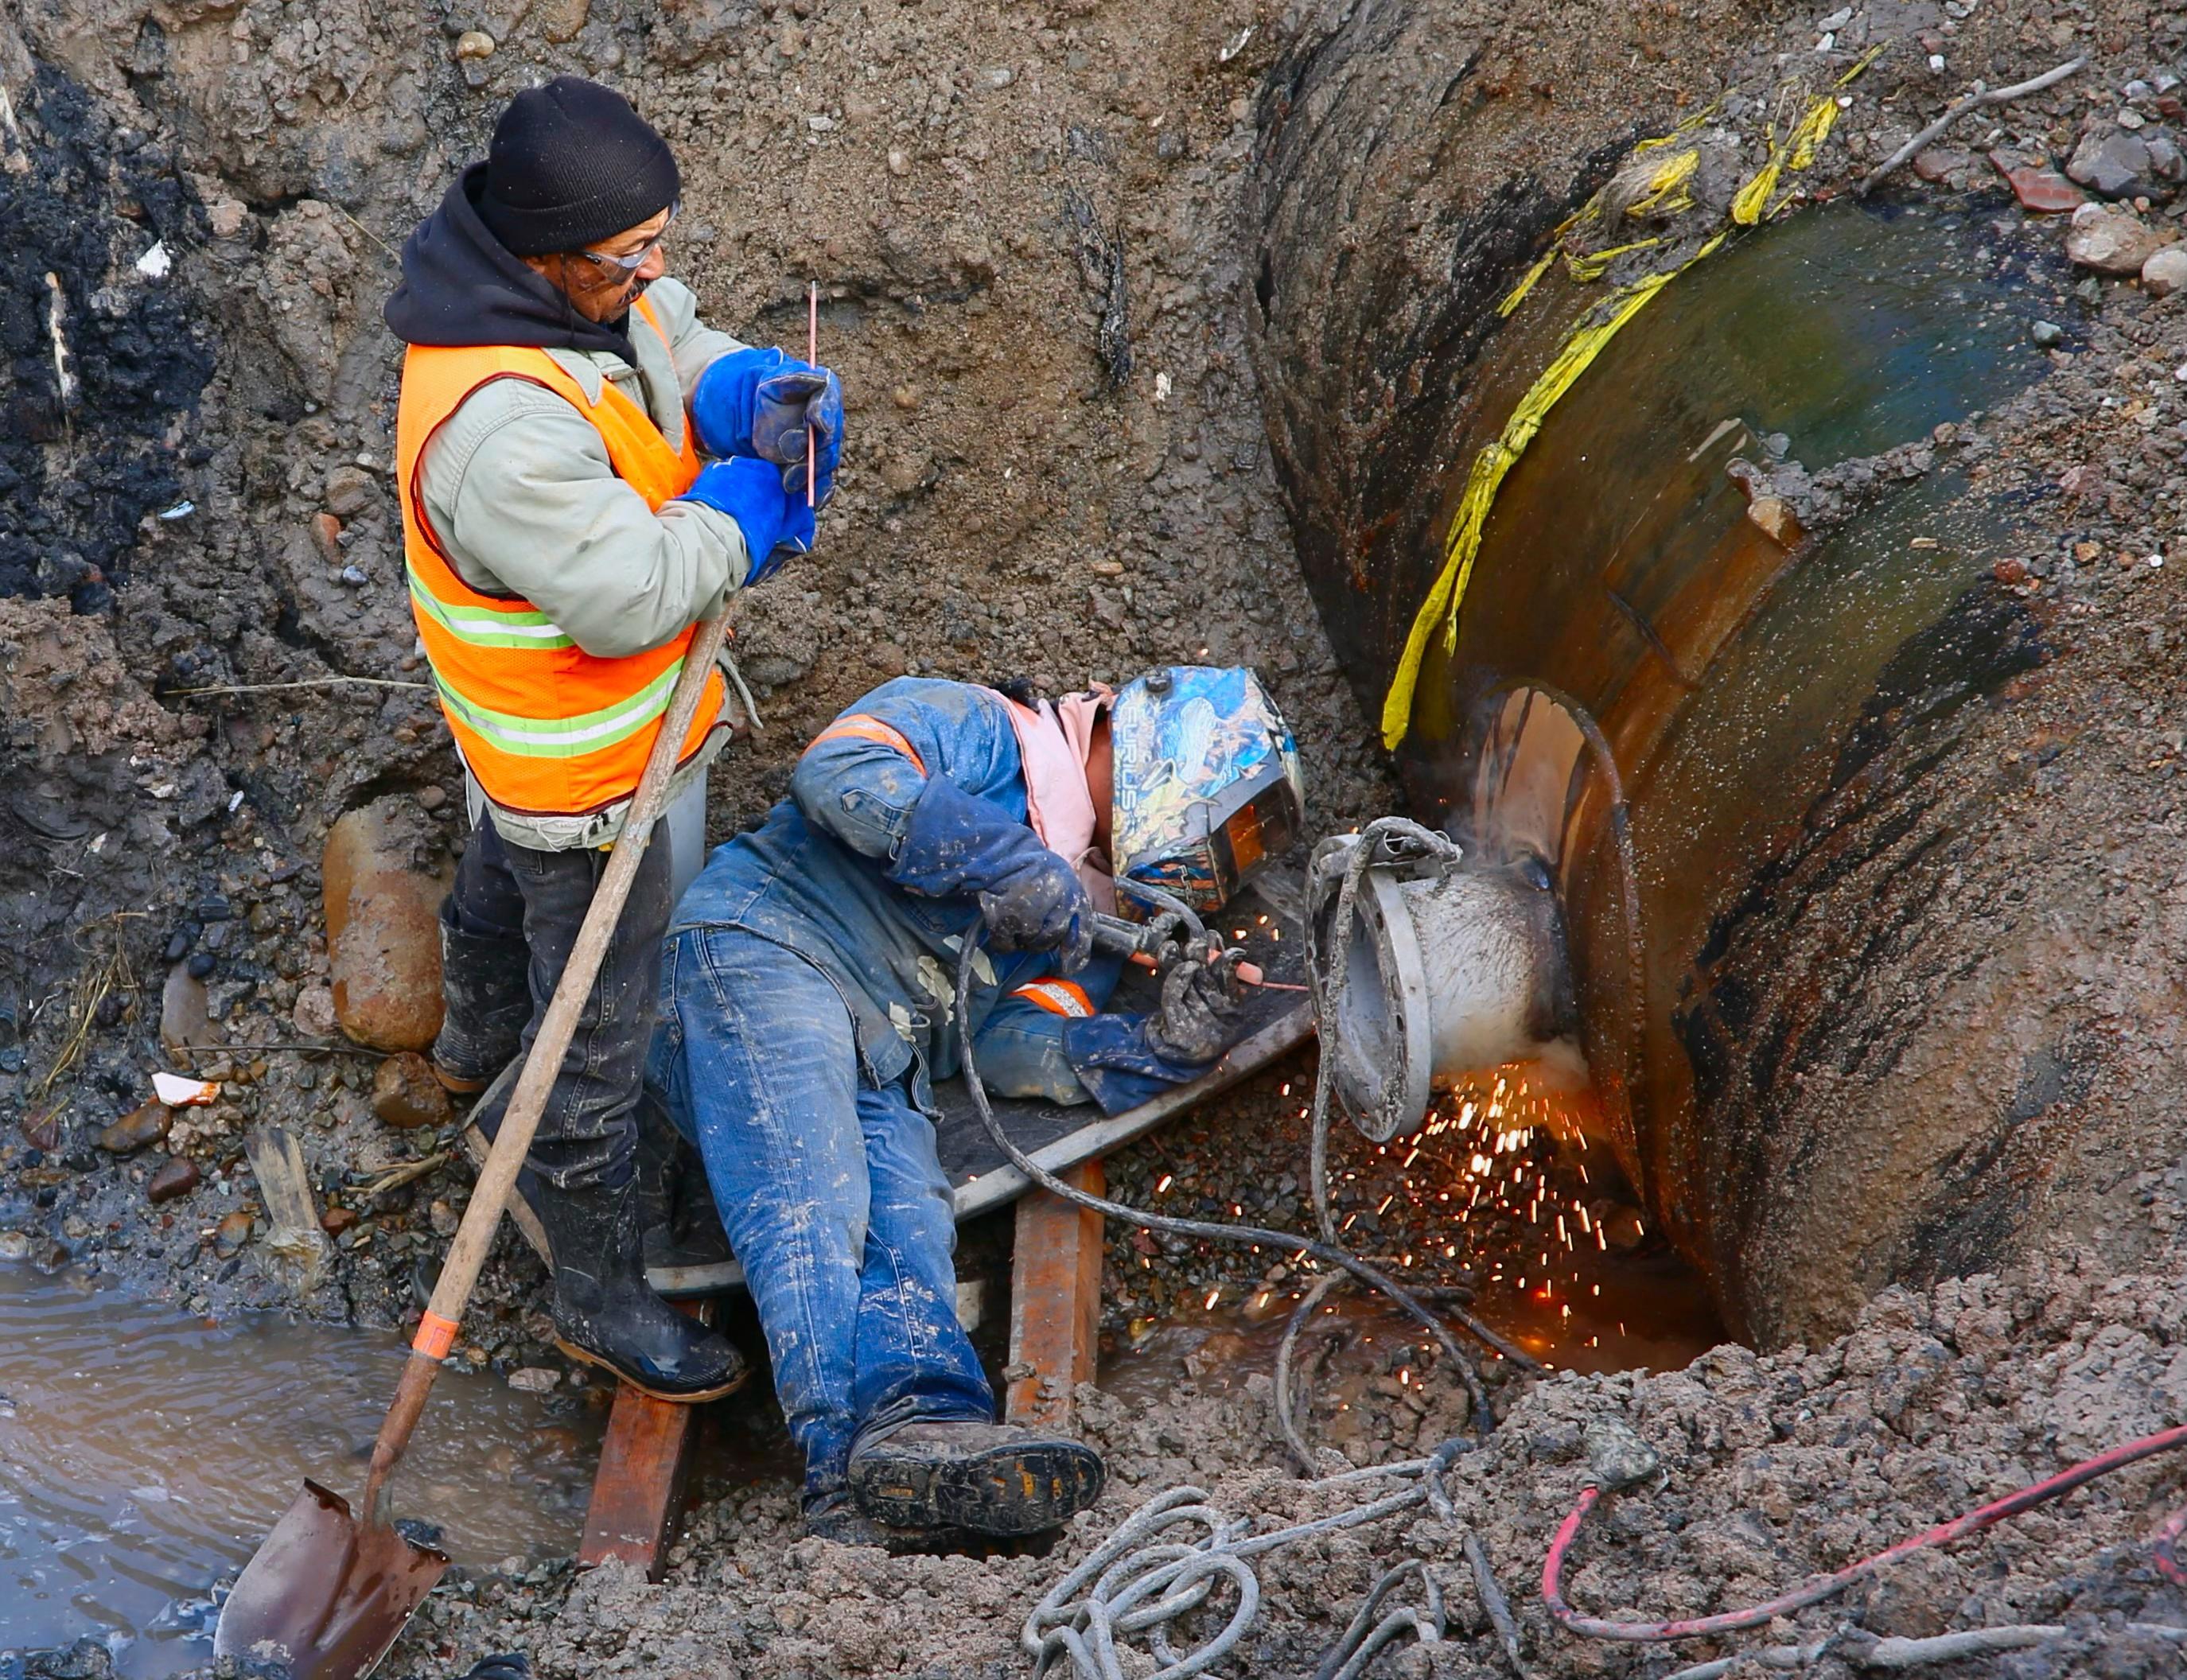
<point>1487,478</point>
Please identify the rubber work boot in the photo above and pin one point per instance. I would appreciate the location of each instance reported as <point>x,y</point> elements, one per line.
<point>604,1314</point>
<point>843,1524</point>
<point>687,1252</point>
<point>486,983</point>
<point>990,1478</point>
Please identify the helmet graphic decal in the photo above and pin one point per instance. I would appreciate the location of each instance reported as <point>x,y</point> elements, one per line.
<point>1207,781</point>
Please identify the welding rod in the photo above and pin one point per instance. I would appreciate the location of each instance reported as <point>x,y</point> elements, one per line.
<point>812,357</point>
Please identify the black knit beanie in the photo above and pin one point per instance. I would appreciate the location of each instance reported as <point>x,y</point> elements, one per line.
<point>572,164</point>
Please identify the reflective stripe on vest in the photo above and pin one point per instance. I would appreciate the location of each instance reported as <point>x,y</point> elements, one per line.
<point>860,727</point>
<point>1058,998</point>
<point>547,728</point>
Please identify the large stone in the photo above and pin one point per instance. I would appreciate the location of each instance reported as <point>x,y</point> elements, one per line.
<point>2113,163</point>
<point>178,1178</point>
<point>2110,243</point>
<point>383,932</point>
<point>183,1020</point>
<point>2166,272</point>
<point>349,491</point>
<point>139,1129</point>
<point>1941,163</point>
<point>405,1094</point>
<point>2043,190</point>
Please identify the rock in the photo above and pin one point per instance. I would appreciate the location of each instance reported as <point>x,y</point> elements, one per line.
<point>535,1380</point>
<point>2043,190</point>
<point>1773,516</point>
<point>473,44</point>
<point>2165,271</point>
<point>231,1234</point>
<point>337,1220</point>
<point>2111,243</point>
<point>899,161</point>
<point>2114,164</point>
<point>2046,333</point>
<point>1941,163</point>
<point>561,20</point>
<point>183,1019</point>
<point>227,217</point>
<point>443,1218</point>
<point>349,492</point>
<point>383,930</point>
<point>178,1178</point>
<point>2166,161</point>
<point>326,538</point>
<point>15,1245</point>
<point>432,796</point>
<point>405,1094</point>
<point>139,1129</point>
<point>314,1013</point>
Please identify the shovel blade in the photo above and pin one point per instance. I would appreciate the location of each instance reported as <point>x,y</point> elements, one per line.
<point>325,1595</point>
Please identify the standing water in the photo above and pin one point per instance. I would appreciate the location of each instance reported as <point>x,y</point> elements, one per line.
<point>143,1454</point>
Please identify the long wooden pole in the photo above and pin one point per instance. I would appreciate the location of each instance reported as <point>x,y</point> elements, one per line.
<point>459,1272</point>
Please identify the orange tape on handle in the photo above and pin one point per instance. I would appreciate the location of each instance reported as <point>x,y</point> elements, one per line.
<point>436,1336</point>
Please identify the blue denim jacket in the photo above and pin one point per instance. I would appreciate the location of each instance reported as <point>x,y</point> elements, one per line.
<point>811,877</point>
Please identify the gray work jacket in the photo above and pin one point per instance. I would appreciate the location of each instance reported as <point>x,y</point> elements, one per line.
<point>518,488</point>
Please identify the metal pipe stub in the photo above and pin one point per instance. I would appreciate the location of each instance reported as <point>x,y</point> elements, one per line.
<point>1448,967</point>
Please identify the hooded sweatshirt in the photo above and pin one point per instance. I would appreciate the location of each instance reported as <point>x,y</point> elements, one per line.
<point>517,482</point>
<point>460,287</point>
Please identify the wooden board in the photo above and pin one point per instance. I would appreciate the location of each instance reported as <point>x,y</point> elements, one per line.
<point>1055,1301</point>
<point>637,1492</point>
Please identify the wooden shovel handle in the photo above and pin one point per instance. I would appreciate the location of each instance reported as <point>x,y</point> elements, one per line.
<point>467,1254</point>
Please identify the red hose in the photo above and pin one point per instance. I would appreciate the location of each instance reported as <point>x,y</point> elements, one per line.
<point>1822,1587</point>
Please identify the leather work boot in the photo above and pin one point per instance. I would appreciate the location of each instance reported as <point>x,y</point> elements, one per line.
<point>843,1524</point>
<point>604,1314</point>
<point>990,1478</point>
<point>486,983</point>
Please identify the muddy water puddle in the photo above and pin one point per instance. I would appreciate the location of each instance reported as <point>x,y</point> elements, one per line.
<point>143,1453</point>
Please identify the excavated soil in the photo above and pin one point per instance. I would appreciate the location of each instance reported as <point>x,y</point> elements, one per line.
<point>1030,228</point>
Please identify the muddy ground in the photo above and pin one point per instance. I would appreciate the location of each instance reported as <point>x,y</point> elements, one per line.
<point>1030,229</point>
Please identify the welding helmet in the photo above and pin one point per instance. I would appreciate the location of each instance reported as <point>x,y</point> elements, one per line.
<point>1206,784</point>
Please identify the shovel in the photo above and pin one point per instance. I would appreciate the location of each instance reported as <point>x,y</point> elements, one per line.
<point>328,1592</point>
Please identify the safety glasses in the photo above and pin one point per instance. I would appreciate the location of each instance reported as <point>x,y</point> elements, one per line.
<point>631,264</point>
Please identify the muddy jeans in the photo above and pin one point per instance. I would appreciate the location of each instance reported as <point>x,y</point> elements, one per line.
<point>830,1191</point>
<point>588,1134</point>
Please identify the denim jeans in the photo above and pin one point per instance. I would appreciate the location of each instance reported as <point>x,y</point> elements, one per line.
<point>587,1134</point>
<point>830,1191</point>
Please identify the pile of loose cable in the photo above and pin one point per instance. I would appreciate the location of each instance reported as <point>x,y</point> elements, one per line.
<point>1138,1586</point>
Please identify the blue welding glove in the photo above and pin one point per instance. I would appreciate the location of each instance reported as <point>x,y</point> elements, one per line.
<point>775,525</point>
<point>1113,1060</point>
<point>956,842</point>
<point>726,400</point>
<point>787,402</point>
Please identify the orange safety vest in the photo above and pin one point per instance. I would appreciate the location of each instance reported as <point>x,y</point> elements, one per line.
<point>547,728</point>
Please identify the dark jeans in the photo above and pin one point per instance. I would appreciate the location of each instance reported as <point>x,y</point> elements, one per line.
<point>588,1134</point>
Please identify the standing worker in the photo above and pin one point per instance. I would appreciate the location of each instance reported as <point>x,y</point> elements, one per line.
<point>810,990</point>
<point>564,530</point>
